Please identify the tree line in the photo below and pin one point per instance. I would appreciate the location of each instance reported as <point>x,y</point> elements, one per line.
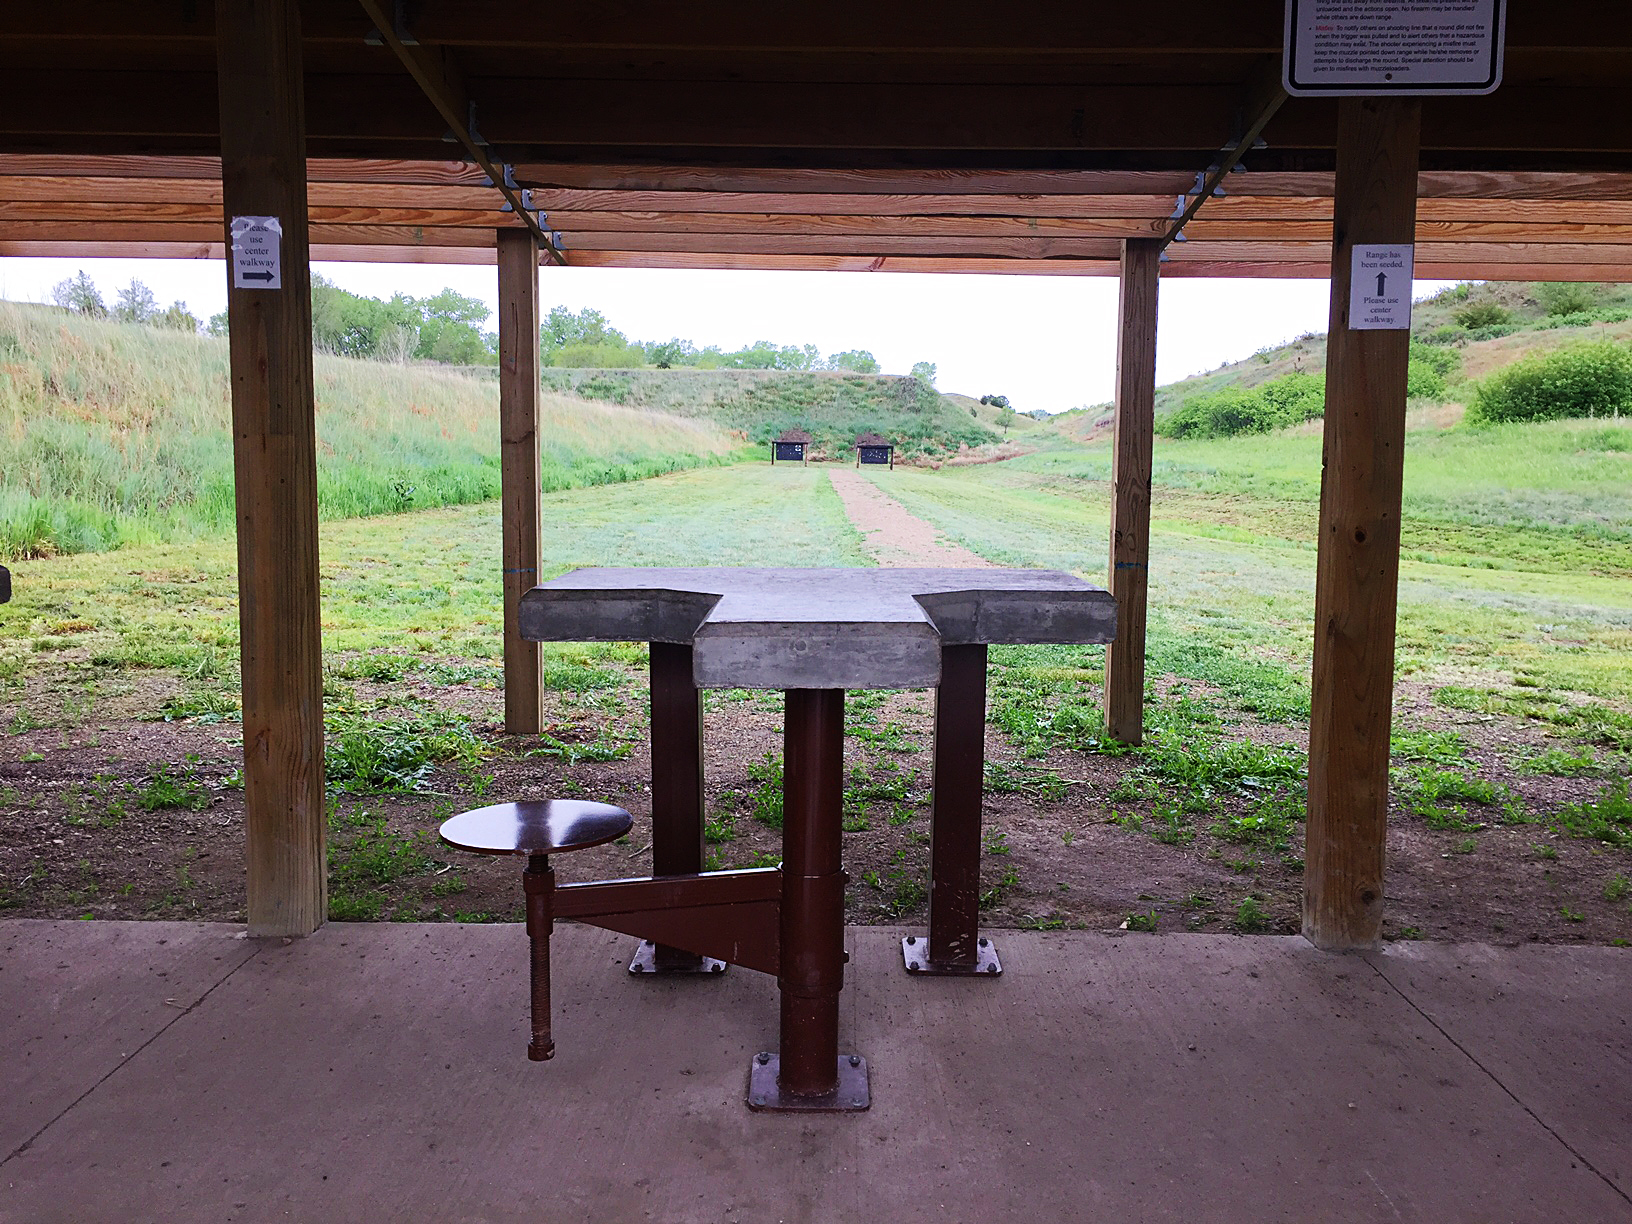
<point>450,328</point>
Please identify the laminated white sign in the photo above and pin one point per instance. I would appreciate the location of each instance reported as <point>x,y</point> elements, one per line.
<point>257,253</point>
<point>1380,288</point>
<point>1346,48</point>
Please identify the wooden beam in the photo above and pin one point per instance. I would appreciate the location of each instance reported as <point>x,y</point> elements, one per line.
<point>1357,570</point>
<point>682,188</point>
<point>519,472</point>
<point>1235,218</point>
<point>1130,488</point>
<point>848,26</point>
<point>275,460</point>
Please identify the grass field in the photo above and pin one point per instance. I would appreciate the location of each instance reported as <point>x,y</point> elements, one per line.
<point>1516,581</point>
<point>425,582</point>
<point>95,643</point>
<point>1533,614</point>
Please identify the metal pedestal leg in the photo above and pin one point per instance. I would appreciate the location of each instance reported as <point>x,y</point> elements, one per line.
<point>677,794</point>
<point>955,945</point>
<point>807,1072</point>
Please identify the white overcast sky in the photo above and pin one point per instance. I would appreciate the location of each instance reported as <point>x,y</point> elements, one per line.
<point>1044,341</point>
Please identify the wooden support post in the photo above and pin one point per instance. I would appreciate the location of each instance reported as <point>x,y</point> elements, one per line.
<point>1357,573</point>
<point>263,174</point>
<point>1130,482</point>
<point>518,472</point>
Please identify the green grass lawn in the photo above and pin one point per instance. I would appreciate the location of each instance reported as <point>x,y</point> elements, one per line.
<point>1531,616</point>
<point>1521,591</point>
<point>424,582</point>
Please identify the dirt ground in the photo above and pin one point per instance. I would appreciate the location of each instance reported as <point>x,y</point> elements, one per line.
<point>120,817</point>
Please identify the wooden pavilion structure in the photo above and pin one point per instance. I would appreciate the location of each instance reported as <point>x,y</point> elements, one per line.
<point>1115,139</point>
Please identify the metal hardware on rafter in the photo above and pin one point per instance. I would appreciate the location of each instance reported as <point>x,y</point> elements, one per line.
<point>399,22</point>
<point>1207,182</point>
<point>462,128</point>
<point>452,137</point>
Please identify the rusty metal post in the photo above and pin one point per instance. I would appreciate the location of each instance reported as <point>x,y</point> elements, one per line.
<point>538,882</point>
<point>955,945</point>
<point>808,1072</point>
<point>677,793</point>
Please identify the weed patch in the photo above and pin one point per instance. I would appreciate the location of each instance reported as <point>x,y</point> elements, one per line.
<point>1607,819</point>
<point>173,788</point>
<point>1434,795</point>
<point>765,799</point>
<point>1560,763</point>
<point>365,756</point>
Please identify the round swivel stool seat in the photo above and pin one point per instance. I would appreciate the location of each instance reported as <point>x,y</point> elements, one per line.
<point>544,826</point>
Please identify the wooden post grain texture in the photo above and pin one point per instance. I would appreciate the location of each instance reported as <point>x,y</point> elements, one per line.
<point>263,174</point>
<point>1130,483</point>
<point>518,471</point>
<point>1357,571</point>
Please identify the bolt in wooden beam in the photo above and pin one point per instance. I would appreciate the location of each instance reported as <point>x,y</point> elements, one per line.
<point>1130,483</point>
<point>518,471</point>
<point>263,174</point>
<point>1357,571</point>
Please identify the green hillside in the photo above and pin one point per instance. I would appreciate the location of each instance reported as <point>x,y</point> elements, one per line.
<point>115,432</point>
<point>1469,331</point>
<point>833,406</point>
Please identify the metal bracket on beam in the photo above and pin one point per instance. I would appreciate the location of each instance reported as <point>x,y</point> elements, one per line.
<point>452,137</point>
<point>399,23</point>
<point>1208,181</point>
<point>433,83</point>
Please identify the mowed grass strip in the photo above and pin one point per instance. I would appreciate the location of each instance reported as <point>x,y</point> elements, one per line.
<point>425,582</point>
<point>1232,573</point>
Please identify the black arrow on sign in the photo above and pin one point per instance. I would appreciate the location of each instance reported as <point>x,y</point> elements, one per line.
<point>1382,278</point>
<point>266,276</point>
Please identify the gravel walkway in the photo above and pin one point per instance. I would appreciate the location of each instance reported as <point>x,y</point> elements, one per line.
<point>894,536</point>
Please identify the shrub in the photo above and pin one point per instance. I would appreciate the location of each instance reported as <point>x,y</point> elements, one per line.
<point>1288,400</point>
<point>1295,397</point>
<point>1481,314</point>
<point>1567,298</point>
<point>599,357</point>
<point>1430,368</point>
<point>1580,380</point>
<point>1217,414</point>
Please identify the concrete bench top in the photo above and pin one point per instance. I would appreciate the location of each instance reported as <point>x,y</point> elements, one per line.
<point>817,628</point>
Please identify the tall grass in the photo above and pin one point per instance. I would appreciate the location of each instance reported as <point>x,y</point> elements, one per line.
<point>111,433</point>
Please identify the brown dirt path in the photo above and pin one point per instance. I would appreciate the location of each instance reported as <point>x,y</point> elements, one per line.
<point>893,535</point>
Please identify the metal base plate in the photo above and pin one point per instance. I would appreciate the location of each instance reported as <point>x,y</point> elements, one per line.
<point>684,965</point>
<point>915,955</point>
<point>851,1096</point>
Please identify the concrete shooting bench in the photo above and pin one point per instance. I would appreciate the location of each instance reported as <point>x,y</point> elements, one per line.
<point>812,633</point>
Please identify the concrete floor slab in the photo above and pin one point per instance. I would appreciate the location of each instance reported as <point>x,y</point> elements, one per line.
<point>78,998</point>
<point>1552,1025</point>
<point>377,1072</point>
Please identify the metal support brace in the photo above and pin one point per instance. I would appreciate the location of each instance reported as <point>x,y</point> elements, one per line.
<point>1208,181</point>
<point>461,121</point>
